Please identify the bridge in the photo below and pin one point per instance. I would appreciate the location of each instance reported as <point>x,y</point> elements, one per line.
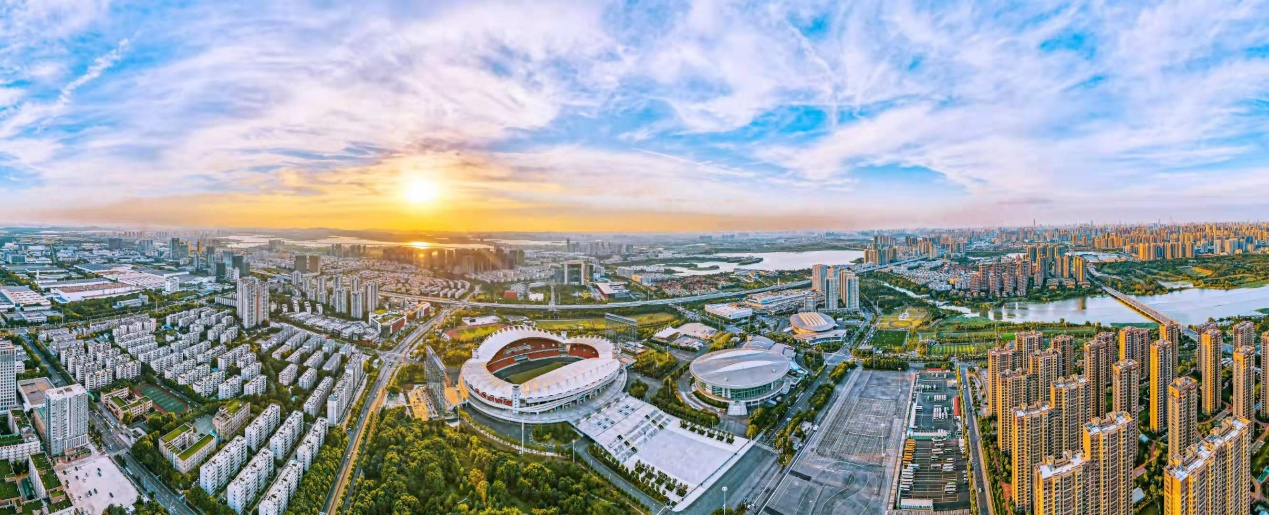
<point>629,304</point>
<point>1146,311</point>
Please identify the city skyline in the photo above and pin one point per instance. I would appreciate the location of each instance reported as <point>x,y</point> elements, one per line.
<point>599,117</point>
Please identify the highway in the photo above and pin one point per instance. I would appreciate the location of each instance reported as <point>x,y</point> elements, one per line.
<point>391,361</point>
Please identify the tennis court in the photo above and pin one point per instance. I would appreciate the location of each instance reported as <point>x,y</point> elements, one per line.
<point>163,400</point>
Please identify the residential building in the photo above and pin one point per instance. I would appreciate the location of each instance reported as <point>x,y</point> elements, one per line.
<point>1126,387</point>
<point>1213,477</point>
<point>1134,343</point>
<point>1244,398</point>
<point>1183,397</point>
<point>1070,398</point>
<point>999,360</point>
<point>186,448</point>
<point>252,302</point>
<point>8,376</point>
<point>1016,391</point>
<point>250,482</point>
<point>1031,442</point>
<point>1110,446</point>
<point>218,470</point>
<point>1065,345</point>
<point>1162,371</point>
<point>848,286</point>
<point>66,419</point>
<point>1046,365</point>
<point>1099,354</point>
<point>231,417</point>
<point>1209,365</point>
<point>1061,485</point>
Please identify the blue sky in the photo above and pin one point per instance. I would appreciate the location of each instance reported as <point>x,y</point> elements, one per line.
<point>654,115</point>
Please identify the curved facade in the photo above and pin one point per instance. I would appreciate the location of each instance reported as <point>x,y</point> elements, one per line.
<point>811,322</point>
<point>551,397</point>
<point>740,375</point>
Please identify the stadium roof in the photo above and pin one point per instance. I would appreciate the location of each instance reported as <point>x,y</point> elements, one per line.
<point>568,379</point>
<point>812,322</point>
<point>504,337</point>
<point>740,368</point>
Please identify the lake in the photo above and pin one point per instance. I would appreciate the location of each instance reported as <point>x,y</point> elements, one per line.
<point>1191,306</point>
<point>799,260</point>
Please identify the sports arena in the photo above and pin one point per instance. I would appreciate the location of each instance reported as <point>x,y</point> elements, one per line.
<point>742,377</point>
<point>523,374</point>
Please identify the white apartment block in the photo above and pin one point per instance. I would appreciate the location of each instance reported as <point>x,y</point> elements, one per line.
<point>287,376</point>
<point>250,371</point>
<point>256,386</point>
<point>67,423</point>
<point>263,425</point>
<point>317,400</point>
<point>8,376</point>
<point>284,439</point>
<point>279,495</point>
<point>230,388</point>
<point>308,379</point>
<point>216,472</point>
<point>250,482</point>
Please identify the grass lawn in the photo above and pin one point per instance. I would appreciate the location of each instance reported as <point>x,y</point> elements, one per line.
<point>948,349</point>
<point>645,320</point>
<point>897,320</point>
<point>8,490</point>
<point>522,377</point>
<point>469,333</point>
<point>1260,460</point>
<point>889,340</point>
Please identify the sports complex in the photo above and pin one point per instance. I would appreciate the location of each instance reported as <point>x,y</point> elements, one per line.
<point>741,377</point>
<point>524,374</point>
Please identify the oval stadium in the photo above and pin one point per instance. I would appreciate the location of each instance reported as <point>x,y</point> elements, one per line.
<point>524,374</point>
<point>741,376</point>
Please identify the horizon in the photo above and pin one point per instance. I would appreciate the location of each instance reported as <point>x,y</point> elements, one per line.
<point>609,117</point>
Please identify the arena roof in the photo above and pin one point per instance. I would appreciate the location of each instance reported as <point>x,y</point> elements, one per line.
<point>574,377</point>
<point>740,368</point>
<point>812,322</point>
<point>504,337</point>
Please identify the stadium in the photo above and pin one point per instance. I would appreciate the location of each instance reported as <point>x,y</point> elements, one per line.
<point>523,374</point>
<point>814,328</point>
<point>741,377</point>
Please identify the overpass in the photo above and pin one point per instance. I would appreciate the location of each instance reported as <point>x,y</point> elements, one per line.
<point>630,304</point>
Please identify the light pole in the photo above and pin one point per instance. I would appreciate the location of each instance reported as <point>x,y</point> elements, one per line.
<point>724,500</point>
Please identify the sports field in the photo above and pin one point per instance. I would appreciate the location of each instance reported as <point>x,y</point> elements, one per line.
<point>889,340</point>
<point>163,400</point>
<point>522,372</point>
<point>906,318</point>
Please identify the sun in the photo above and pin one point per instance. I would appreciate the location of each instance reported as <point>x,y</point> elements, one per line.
<point>421,191</point>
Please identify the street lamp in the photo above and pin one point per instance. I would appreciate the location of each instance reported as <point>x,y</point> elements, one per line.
<point>724,500</point>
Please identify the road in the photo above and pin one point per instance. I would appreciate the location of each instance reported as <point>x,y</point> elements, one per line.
<point>391,361</point>
<point>985,506</point>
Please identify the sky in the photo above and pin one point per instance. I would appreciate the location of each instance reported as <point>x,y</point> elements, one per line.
<point>631,116</point>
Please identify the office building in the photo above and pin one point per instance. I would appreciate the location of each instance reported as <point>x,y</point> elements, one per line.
<point>1031,442</point>
<point>1134,343</point>
<point>1162,371</point>
<point>1110,446</point>
<point>1126,387</point>
<point>1070,399</point>
<point>1209,365</point>
<point>1213,477</point>
<point>1061,485</point>
<point>1244,398</point>
<point>1099,355</point>
<point>819,278</point>
<point>252,302</point>
<point>1183,397</point>
<point>8,376</point>
<point>67,419</point>
<point>576,272</point>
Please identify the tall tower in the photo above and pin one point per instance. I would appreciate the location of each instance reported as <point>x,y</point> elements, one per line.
<point>1209,363</point>
<point>848,285</point>
<point>1134,342</point>
<point>1110,445</point>
<point>819,276</point>
<point>1264,366</point>
<point>1162,371</point>
<point>67,419</point>
<point>1098,356</point>
<point>1244,333</point>
<point>1182,415</point>
<point>1171,332</point>
<point>1031,443</point>
<point>1244,399</point>
<point>1070,399</point>
<point>1126,387</point>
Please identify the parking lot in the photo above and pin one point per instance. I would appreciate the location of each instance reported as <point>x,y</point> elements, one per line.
<point>849,463</point>
<point>933,471</point>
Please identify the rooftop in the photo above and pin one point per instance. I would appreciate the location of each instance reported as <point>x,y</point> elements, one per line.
<point>740,368</point>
